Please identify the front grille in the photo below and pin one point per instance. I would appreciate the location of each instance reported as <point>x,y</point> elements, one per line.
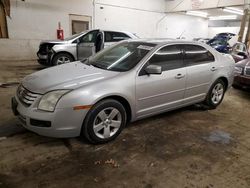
<point>247,71</point>
<point>45,48</point>
<point>25,96</point>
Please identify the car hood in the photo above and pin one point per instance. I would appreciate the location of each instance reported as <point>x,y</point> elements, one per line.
<point>54,42</point>
<point>67,76</point>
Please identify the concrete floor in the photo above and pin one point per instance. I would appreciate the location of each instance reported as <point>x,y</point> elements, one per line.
<point>186,148</point>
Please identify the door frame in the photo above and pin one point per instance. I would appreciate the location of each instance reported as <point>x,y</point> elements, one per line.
<point>77,17</point>
<point>4,24</point>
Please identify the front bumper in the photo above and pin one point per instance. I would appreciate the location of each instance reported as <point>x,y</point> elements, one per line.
<point>242,81</point>
<point>45,59</point>
<point>63,123</point>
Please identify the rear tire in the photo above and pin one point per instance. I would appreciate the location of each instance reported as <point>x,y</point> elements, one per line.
<point>62,58</point>
<point>215,94</point>
<point>104,121</point>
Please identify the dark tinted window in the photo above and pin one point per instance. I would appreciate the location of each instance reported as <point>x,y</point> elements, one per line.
<point>169,57</point>
<point>115,36</point>
<point>197,55</point>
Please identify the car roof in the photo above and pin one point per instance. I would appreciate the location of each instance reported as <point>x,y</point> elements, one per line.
<point>162,41</point>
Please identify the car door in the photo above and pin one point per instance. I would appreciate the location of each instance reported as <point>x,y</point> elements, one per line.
<point>201,67</point>
<point>158,93</point>
<point>86,45</point>
<point>111,37</point>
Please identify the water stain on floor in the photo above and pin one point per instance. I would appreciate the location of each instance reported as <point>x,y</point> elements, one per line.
<point>219,137</point>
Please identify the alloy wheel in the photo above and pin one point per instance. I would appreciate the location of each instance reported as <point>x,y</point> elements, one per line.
<point>63,60</point>
<point>217,93</point>
<point>107,123</point>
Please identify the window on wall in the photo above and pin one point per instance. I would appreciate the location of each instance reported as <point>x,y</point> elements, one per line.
<point>3,22</point>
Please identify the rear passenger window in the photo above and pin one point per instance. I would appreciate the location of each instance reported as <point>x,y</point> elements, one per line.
<point>197,55</point>
<point>115,36</point>
<point>169,58</point>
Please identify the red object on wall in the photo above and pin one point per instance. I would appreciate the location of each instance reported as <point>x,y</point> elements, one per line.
<point>60,33</point>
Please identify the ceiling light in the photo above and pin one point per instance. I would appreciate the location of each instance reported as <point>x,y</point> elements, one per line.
<point>197,13</point>
<point>233,10</point>
<point>229,17</point>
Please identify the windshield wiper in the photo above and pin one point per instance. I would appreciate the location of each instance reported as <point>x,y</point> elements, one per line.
<point>97,66</point>
<point>84,60</point>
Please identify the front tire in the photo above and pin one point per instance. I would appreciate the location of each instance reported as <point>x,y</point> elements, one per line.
<point>62,58</point>
<point>215,94</point>
<point>104,122</point>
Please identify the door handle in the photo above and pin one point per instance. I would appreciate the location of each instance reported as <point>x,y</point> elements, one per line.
<point>213,69</point>
<point>179,76</point>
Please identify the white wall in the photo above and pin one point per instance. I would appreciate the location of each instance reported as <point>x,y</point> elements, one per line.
<point>35,20</point>
<point>183,5</point>
<point>38,19</point>
<point>140,21</point>
<point>189,27</point>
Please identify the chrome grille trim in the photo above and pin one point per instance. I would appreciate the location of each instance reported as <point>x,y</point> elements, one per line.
<point>25,96</point>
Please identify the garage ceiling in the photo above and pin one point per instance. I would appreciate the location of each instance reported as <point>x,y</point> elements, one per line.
<point>227,13</point>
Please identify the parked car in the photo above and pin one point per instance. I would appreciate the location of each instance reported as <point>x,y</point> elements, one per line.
<point>220,42</point>
<point>131,80</point>
<point>239,51</point>
<point>242,74</point>
<point>78,46</point>
<point>203,40</point>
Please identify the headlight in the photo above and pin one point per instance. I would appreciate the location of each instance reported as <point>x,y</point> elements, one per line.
<point>49,100</point>
<point>238,70</point>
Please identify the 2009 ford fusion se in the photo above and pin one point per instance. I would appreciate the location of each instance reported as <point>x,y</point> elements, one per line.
<point>96,97</point>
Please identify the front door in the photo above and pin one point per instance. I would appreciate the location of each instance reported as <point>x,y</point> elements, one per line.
<point>86,45</point>
<point>158,93</point>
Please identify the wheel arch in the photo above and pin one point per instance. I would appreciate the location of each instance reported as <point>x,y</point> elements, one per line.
<point>63,52</point>
<point>123,101</point>
<point>225,80</point>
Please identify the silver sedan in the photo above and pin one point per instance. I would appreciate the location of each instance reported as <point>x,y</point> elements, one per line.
<point>98,96</point>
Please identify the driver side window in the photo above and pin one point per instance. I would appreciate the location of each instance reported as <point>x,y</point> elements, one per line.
<point>89,38</point>
<point>169,58</point>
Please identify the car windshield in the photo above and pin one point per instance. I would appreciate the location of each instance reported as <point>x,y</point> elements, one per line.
<point>75,35</point>
<point>121,57</point>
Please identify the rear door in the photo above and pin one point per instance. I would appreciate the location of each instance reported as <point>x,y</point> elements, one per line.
<point>201,67</point>
<point>86,45</point>
<point>158,93</point>
<point>111,37</point>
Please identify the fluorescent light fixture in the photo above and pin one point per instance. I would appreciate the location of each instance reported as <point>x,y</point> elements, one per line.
<point>197,13</point>
<point>233,10</point>
<point>229,17</point>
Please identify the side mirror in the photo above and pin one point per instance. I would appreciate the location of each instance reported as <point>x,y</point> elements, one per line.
<point>153,69</point>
